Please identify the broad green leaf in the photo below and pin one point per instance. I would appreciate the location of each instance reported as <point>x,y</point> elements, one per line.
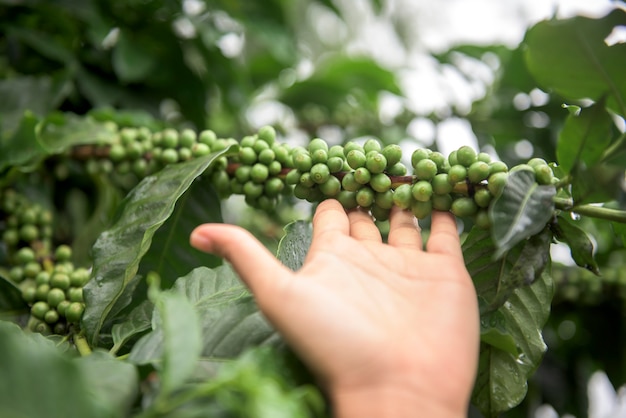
<point>11,301</point>
<point>294,245</point>
<point>503,372</point>
<point>171,255</point>
<point>571,58</point>
<point>181,338</point>
<point>522,210</point>
<point>60,131</point>
<point>578,241</point>
<point>620,231</point>
<point>22,148</point>
<point>229,318</point>
<point>119,250</point>
<point>600,183</point>
<point>584,137</point>
<point>112,384</point>
<point>137,321</point>
<point>39,381</point>
<point>493,332</point>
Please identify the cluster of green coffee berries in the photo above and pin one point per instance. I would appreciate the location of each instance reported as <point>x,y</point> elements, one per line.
<point>141,152</point>
<point>22,222</point>
<point>369,175</point>
<point>52,287</point>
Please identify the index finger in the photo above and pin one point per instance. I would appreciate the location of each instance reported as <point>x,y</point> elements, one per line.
<point>444,236</point>
<point>331,217</point>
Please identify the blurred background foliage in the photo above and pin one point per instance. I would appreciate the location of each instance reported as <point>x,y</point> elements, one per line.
<point>335,69</point>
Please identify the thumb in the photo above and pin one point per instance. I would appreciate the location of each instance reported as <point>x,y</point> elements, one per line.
<point>257,267</point>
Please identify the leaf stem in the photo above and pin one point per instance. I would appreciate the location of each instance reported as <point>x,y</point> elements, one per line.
<point>81,345</point>
<point>598,212</point>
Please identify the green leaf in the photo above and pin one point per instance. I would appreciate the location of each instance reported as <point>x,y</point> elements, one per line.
<point>229,318</point>
<point>522,210</point>
<point>600,183</point>
<point>119,250</point>
<point>584,137</point>
<point>137,321</point>
<point>503,372</point>
<point>112,384</point>
<point>22,148</point>
<point>38,381</point>
<point>294,245</point>
<point>571,58</point>
<point>578,241</point>
<point>181,338</point>
<point>58,132</point>
<point>171,255</point>
<point>11,301</point>
<point>493,332</point>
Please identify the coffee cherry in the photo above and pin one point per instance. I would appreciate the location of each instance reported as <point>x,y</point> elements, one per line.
<point>375,162</point>
<point>60,280</point>
<point>483,198</point>
<point>79,277</point>
<point>320,173</point>
<point>365,197</point>
<point>242,173</point>
<point>421,209</point>
<point>335,164</point>
<point>207,137</point>
<point>484,157</point>
<point>331,187</point>
<point>497,167</point>
<point>268,134</point>
<point>39,309</point>
<point>362,175</point>
<point>187,138</point>
<point>482,219</point>
<point>403,196</point>
<point>349,183</point>
<point>372,145</point>
<point>441,185</point>
<point>478,171</point>
<point>379,213</point>
<point>200,150</point>
<point>380,182</point>
<point>31,269</point>
<point>293,177</point>
<point>266,156</point>
<point>274,186</point>
<point>63,253</point>
<point>466,156</point>
<point>74,294</point>
<point>442,202</point>
<point>29,233</point>
<point>351,145</point>
<point>74,312</point>
<point>398,169</point>
<point>496,183</point>
<point>62,306</point>
<point>426,169</point>
<point>25,255</point>
<point>252,189</point>
<point>439,159</point>
<point>51,317</point>
<point>452,159</point>
<point>464,207</point>
<point>356,159</point>
<point>422,191</point>
<point>169,156</point>
<point>169,139</point>
<point>393,154</point>
<point>43,277</point>
<point>384,200</point>
<point>543,174</point>
<point>259,173</point>
<point>336,151</point>
<point>347,199</point>
<point>16,274</point>
<point>457,173</point>
<point>419,155</point>
<point>29,294</point>
<point>302,161</point>
<point>306,180</point>
<point>55,296</point>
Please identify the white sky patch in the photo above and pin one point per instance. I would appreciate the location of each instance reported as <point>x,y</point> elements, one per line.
<point>453,133</point>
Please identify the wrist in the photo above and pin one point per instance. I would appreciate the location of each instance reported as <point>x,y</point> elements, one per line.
<point>389,402</point>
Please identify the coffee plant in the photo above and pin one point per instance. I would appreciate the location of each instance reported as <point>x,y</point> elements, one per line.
<point>107,311</point>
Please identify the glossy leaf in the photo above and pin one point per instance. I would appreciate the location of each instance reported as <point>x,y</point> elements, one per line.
<point>572,58</point>
<point>294,245</point>
<point>599,183</point>
<point>22,147</point>
<point>171,255</point>
<point>119,250</point>
<point>37,380</point>
<point>578,241</point>
<point>137,321</point>
<point>181,339</point>
<point>229,318</point>
<point>584,137</point>
<point>522,210</point>
<point>112,383</point>
<point>60,131</point>
<point>502,377</point>
<point>11,301</point>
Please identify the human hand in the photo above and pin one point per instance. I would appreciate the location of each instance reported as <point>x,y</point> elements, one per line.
<point>390,329</point>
